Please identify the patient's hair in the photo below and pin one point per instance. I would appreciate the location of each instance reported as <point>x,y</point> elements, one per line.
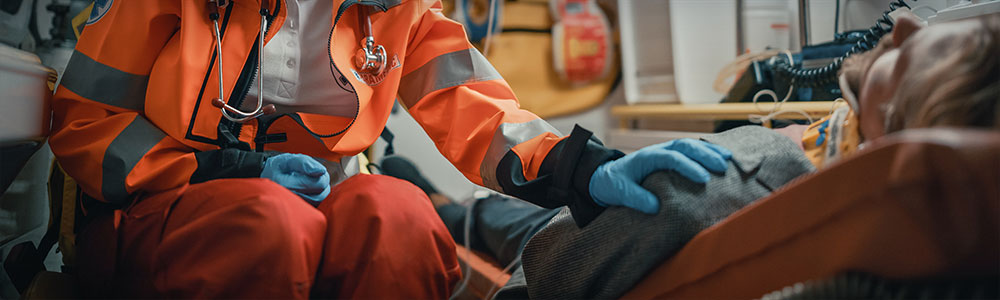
<point>962,89</point>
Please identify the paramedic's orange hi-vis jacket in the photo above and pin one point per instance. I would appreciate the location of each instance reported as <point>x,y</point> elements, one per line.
<point>133,113</point>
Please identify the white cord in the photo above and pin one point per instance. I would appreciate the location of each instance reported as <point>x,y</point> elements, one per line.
<point>836,102</point>
<point>466,231</point>
<point>489,28</point>
<point>505,270</point>
<point>468,252</point>
<point>776,109</point>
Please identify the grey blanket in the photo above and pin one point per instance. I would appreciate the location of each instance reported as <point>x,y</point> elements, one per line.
<point>611,254</point>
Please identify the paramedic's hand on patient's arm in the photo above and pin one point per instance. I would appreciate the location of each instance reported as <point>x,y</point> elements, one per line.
<point>299,173</point>
<point>617,182</point>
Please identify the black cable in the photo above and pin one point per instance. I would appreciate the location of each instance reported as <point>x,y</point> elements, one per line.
<point>828,74</point>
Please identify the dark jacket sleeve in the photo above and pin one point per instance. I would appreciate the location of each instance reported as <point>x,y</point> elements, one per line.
<point>228,163</point>
<point>564,176</point>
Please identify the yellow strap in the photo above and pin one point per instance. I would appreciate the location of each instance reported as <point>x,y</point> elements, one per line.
<point>363,162</point>
<point>815,152</point>
<point>80,19</point>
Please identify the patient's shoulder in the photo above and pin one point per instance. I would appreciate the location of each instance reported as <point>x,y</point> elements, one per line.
<point>759,148</point>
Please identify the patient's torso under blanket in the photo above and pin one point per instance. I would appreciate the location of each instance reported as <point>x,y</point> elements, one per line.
<point>611,254</point>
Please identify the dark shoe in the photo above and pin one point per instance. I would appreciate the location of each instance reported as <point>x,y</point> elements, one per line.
<point>400,167</point>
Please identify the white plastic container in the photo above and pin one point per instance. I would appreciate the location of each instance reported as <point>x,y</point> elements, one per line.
<point>24,96</point>
<point>647,62</point>
<point>704,40</point>
<point>767,24</point>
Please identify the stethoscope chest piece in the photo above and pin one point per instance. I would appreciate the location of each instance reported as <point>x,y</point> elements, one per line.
<point>370,59</point>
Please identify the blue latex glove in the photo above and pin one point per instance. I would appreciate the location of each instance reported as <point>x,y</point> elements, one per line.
<point>300,173</point>
<point>617,182</point>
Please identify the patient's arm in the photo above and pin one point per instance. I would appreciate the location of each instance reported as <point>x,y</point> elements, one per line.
<point>793,132</point>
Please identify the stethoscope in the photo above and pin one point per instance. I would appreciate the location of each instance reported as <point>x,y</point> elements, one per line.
<point>370,59</point>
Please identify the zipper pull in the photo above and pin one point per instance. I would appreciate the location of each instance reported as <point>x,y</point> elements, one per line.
<point>213,8</point>
<point>265,7</point>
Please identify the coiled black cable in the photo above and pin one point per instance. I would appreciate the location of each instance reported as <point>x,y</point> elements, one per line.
<point>828,74</point>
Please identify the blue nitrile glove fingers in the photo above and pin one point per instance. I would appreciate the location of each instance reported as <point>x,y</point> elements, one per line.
<point>720,150</point>
<point>307,187</point>
<point>662,159</point>
<point>305,165</point>
<point>708,155</point>
<point>617,182</point>
<point>316,198</point>
<point>620,191</point>
<point>300,174</point>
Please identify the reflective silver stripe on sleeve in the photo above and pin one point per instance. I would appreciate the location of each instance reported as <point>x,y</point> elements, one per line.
<point>102,83</point>
<point>506,137</point>
<point>123,154</point>
<point>445,71</point>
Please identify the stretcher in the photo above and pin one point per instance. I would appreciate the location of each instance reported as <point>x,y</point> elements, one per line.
<point>924,203</point>
<point>920,204</point>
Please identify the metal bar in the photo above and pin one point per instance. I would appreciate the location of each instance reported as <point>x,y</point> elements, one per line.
<point>803,23</point>
<point>740,43</point>
<point>720,111</point>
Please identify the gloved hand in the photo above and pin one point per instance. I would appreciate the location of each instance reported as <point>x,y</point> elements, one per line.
<point>300,173</point>
<point>617,182</point>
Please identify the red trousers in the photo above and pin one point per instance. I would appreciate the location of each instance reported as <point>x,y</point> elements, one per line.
<point>374,237</point>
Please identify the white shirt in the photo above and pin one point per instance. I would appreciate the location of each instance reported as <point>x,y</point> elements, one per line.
<point>313,88</point>
<point>290,86</point>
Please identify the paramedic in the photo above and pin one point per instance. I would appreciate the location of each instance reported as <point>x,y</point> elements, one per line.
<point>187,197</point>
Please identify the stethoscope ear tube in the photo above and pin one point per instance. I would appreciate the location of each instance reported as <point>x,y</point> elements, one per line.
<point>228,111</point>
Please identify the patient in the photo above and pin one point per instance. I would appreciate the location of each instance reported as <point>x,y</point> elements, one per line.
<point>946,75</point>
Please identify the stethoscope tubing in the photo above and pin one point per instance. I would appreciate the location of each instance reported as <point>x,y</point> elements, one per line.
<point>374,63</point>
<point>227,110</point>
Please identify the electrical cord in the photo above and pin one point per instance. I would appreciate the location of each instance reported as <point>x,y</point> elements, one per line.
<point>506,269</point>
<point>466,232</point>
<point>487,41</point>
<point>828,74</point>
<point>468,252</point>
<point>776,109</point>
<point>489,28</point>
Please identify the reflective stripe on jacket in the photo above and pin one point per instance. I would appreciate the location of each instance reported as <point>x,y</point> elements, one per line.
<point>133,112</point>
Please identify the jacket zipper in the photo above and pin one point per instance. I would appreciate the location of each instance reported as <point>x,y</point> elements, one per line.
<point>236,127</point>
<point>357,101</point>
<point>245,80</point>
<point>329,54</point>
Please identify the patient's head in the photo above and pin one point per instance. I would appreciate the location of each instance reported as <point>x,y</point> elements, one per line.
<point>942,75</point>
